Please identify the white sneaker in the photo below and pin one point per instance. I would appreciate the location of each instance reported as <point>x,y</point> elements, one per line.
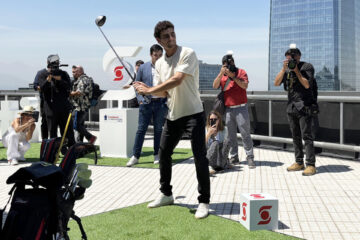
<point>162,200</point>
<point>156,159</point>
<point>13,162</point>
<point>21,159</point>
<point>133,160</point>
<point>202,211</point>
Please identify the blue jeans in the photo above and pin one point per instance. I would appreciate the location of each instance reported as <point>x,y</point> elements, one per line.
<point>157,110</point>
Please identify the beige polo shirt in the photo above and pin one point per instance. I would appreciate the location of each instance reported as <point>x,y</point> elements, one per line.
<point>183,100</point>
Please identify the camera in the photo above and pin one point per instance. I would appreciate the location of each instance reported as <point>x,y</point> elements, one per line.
<point>292,51</point>
<point>212,122</point>
<point>34,115</point>
<point>292,62</point>
<point>53,63</point>
<point>229,61</point>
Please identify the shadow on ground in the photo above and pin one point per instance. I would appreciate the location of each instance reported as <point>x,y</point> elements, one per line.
<point>333,169</point>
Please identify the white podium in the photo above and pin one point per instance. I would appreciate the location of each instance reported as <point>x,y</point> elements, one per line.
<point>258,211</point>
<point>118,127</point>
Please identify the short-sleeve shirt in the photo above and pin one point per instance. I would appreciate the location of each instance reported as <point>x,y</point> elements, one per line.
<point>183,100</point>
<point>234,95</point>
<point>298,95</point>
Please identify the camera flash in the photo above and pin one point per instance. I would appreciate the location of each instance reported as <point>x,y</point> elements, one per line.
<point>230,52</point>
<point>292,46</point>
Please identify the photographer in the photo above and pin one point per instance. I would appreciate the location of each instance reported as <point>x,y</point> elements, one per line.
<point>80,98</point>
<point>298,80</point>
<point>16,138</point>
<point>234,82</point>
<point>55,89</point>
<point>44,128</point>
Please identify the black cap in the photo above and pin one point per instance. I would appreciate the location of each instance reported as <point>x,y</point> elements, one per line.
<point>295,51</point>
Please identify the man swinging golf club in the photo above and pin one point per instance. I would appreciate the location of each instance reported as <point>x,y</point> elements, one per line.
<point>177,73</point>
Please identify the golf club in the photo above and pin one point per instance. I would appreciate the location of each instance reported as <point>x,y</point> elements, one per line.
<point>100,21</point>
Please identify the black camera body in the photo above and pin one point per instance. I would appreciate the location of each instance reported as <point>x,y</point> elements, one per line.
<point>54,68</point>
<point>292,62</point>
<point>230,65</point>
<point>35,115</point>
<point>212,122</point>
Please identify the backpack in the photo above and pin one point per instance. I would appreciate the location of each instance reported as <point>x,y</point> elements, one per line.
<point>95,93</point>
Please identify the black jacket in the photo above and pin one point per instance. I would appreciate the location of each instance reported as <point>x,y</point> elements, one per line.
<point>55,93</point>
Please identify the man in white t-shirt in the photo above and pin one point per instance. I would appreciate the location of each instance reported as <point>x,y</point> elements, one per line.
<point>177,75</point>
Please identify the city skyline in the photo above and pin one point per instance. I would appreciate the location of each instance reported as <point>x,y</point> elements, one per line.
<point>30,31</point>
<point>326,33</point>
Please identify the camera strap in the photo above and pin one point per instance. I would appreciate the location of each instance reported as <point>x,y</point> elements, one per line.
<point>226,84</point>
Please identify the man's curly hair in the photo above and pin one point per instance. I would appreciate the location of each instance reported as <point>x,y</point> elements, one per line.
<point>161,26</point>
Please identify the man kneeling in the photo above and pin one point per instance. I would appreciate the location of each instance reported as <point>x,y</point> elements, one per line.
<point>16,139</point>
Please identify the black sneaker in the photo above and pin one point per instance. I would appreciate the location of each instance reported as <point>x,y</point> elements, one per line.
<point>234,160</point>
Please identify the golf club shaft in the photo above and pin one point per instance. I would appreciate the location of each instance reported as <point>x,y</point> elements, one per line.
<point>131,76</point>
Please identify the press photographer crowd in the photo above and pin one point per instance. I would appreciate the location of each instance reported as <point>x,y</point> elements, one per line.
<point>170,83</point>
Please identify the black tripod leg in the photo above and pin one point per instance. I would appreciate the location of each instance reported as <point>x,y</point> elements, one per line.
<point>78,220</point>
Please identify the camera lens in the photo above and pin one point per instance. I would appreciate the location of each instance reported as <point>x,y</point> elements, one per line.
<point>292,64</point>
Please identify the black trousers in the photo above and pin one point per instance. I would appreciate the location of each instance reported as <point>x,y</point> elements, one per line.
<point>59,119</point>
<point>44,126</point>
<point>300,126</point>
<point>194,126</point>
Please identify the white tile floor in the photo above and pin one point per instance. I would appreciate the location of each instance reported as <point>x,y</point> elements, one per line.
<point>323,206</point>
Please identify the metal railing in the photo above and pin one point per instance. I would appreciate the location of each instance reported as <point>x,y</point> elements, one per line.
<point>337,99</point>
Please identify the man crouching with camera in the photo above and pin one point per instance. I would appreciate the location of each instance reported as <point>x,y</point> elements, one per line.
<point>234,82</point>
<point>16,138</point>
<point>298,80</point>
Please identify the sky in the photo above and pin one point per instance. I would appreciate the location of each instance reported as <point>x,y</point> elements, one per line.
<point>32,30</point>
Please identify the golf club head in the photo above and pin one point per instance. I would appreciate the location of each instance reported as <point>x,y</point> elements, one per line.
<point>82,166</point>
<point>100,20</point>
<point>84,174</point>
<point>84,183</point>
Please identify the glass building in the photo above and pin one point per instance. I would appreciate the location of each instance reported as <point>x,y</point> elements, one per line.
<point>327,32</point>
<point>207,74</point>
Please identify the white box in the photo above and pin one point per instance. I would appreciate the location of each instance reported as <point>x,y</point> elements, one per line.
<point>258,211</point>
<point>117,131</point>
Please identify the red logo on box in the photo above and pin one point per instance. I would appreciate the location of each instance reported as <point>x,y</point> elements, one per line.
<point>257,196</point>
<point>244,211</point>
<point>265,215</point>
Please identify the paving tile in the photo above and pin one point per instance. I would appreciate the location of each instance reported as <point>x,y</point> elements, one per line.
<point>324,206</point>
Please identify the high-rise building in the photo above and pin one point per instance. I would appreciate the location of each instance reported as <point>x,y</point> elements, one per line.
<point>207,74</point>
<point>327,32</point>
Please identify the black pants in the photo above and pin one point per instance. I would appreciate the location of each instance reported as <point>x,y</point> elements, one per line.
<point>59,120</point>
<point>79,121</point>
<point>194,125</point>
<point>300,126</point>
<point>44,126</point>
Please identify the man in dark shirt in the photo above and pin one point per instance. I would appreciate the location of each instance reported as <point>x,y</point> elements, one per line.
<point>55,89</point>
<point>43,73</point>
<point>298,80</point>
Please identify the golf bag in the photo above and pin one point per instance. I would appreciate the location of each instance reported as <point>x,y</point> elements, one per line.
<point>49,148</point>
<point>44,195</point>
